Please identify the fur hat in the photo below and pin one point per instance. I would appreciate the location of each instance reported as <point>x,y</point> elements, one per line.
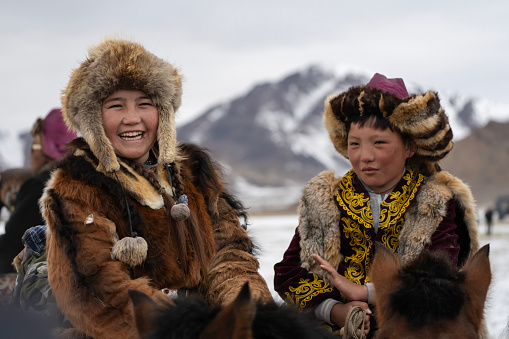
<point>419,116</point>
<point>119,64</point>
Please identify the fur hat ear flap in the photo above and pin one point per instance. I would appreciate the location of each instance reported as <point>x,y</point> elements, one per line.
<point>132,251</point>
<point>335,127</point>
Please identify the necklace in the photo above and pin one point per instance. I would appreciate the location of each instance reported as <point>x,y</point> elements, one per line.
<point>152,160</point>
<point>387,190</point>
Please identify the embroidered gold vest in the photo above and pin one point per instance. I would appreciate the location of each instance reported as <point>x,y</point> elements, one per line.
<point>357,232</point>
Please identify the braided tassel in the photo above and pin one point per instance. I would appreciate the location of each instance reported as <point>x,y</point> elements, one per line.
<point>180,211</point>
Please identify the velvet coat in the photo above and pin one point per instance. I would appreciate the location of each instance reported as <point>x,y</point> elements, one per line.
<point>442,203</point>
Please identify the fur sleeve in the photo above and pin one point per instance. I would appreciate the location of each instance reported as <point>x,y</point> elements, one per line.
<point>233,262</point>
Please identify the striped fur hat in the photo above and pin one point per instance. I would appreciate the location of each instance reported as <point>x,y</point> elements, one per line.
<point>419,116</point>
<point>118,64</point>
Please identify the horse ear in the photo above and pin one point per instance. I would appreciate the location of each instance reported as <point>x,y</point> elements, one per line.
<point>235,320</point>
<point>477,272</point>
<point>384,276</point>
<point>144,309</point>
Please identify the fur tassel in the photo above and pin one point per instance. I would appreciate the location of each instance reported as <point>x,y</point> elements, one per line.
<point>180,212</point>
<point>131,251</point>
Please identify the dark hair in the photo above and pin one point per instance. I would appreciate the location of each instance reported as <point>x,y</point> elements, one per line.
<point>376,121</point>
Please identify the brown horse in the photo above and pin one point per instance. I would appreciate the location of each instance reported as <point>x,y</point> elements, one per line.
<point>10,183</point>
<point>190,317</point>
<point>429,298</point>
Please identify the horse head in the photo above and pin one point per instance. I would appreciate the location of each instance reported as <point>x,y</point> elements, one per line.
<point>429,297</point>
<point>244,318</point>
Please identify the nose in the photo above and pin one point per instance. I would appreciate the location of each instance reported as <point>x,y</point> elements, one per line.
<point>131,116</point>
<point>367,154</point>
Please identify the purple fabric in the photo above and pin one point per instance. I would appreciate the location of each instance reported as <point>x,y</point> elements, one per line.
<point>394,86</point>
<point>55,135</point>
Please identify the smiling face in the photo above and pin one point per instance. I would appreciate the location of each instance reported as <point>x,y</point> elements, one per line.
<point>130,121</point>
<point>377,155</point>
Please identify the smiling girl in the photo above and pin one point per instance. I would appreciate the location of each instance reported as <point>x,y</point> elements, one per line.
<point>395,194</point>
<point>130,208</point>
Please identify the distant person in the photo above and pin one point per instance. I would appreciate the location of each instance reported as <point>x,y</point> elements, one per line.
<point>395,194</point>
<point>489,220</point>
<point>50,137</point>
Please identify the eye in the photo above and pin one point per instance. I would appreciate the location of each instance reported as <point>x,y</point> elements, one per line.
<point>114,106</point>
<point>379,142</point>
<point>353,143</point>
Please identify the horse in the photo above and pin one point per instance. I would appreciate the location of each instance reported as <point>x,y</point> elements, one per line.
<point>429,297</point>
<point>244,318</point>
<point>10,183</point>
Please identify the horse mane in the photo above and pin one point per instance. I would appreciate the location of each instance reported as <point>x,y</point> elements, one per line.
<point>191,317</point>
<point>432,283</point>
<point>429,296</point>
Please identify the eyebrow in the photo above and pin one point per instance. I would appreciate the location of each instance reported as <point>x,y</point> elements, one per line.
<point>122,99</point>
<point>112,99</point>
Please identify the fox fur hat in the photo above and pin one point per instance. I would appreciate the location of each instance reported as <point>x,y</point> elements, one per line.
<point>419,116</point>
<point>118,64</point>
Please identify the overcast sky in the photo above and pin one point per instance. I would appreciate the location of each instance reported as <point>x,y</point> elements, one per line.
<point>223,47</point>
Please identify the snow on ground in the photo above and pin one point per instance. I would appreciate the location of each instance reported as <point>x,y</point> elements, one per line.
<point>274,233</point>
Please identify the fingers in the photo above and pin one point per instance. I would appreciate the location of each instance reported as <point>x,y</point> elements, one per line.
<point>320,260</point>
<point>324,265</point>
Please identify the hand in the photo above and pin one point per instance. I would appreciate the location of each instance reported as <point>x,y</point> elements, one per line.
<point>348,289</point>
<point>340,311</point>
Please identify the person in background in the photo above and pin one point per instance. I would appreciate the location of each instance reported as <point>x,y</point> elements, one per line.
<point>489,220</point>
<point>50,137</point>
<point>130,208</point>
<point>395,194</point>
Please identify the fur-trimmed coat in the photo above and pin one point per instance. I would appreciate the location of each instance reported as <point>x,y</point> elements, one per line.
<point>86,212</point>
<point>298,278</point>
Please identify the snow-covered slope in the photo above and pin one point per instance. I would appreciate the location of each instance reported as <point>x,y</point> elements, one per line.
<point>273,137</point>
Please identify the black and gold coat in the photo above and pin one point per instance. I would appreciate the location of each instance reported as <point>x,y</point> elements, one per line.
<point>425,211</point>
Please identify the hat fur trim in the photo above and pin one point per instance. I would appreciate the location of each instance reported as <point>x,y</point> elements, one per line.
<point>118,64</point>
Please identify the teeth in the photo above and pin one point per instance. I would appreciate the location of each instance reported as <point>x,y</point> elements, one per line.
<point>131,135</point>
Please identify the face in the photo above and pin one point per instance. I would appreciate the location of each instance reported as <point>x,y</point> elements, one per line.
<point>377,156</point>
<point>37,158</point>
<point>130,120</point>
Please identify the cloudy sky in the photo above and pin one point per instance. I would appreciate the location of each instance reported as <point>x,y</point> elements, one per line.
<point>223,47</point>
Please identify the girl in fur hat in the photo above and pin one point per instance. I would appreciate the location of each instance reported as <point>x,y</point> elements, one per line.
<point>395,194</point>
<point>130,208</point>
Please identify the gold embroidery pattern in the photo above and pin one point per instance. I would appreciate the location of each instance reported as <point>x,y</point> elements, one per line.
<point>354,203</point>
<point>358,209</point>
<point>361,243</point>
<point>307,290</point>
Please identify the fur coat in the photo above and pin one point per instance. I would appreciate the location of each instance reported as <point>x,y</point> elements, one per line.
<point>88,211</point>
<point>300,279</point>
<point>421,219</point>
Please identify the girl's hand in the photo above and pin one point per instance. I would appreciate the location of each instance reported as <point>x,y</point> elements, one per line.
<point>348,289</point>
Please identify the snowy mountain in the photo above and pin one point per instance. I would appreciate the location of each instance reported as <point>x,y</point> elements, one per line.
<point>271,140</point>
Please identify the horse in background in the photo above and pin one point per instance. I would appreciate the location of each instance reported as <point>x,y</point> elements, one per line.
<point>10,183</point>
<point>429,298</point>
<point>190,317</point>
